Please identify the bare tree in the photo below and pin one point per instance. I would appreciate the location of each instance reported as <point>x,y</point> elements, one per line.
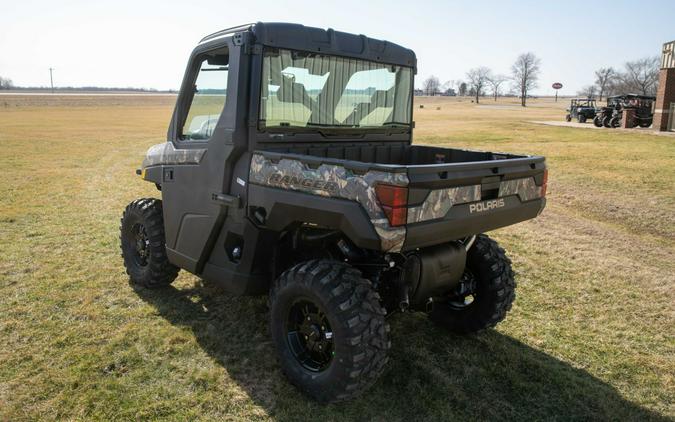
<point>461,88</point>
<point>603,80</point>
<point>525,74</point>
<point>431,85</point>
<point>6,83</point>
<point>588,91</point>
<point>495,82</point>
<point>641,76</point>
<point>478,77</point>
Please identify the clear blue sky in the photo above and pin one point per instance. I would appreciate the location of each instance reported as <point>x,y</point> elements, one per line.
<point>146,43</point>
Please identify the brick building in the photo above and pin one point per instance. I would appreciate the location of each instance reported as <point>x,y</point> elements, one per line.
<point>664,113</point>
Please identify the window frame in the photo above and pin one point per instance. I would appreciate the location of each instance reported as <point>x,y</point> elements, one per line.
<point>263,128</point>
<point>186,95</point>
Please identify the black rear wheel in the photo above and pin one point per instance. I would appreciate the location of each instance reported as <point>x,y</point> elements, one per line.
<point>329,329</point>
<point>597,121</point>
<point>581,118</point>
<point>309,335</point>
<point>143,244</point>
<point>486,293</point>
<point>615,122</point>
<point>568,118</point>
<point>605,121</point>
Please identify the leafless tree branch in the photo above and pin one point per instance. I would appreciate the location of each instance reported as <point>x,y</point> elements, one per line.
<point>525,73</point>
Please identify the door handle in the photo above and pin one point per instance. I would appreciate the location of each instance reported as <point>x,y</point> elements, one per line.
<point>226,200</point>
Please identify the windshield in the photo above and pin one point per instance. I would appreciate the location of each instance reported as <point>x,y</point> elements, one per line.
<point>313,90</point>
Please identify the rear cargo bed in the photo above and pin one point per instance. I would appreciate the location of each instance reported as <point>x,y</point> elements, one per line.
<point>451,193</point>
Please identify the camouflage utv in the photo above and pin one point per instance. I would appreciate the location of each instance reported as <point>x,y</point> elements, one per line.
<point>289,171</point>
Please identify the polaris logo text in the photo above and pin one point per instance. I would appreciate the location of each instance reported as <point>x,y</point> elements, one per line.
<point>300,182</point>
<point>486,205</point>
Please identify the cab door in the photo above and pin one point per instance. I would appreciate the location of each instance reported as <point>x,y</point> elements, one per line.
<point>201,129</point>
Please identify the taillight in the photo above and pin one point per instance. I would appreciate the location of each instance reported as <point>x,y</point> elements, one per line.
<point>544,184</point>
<point>394,203</point>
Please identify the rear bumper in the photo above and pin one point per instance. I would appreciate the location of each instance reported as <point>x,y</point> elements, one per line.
<point>460,222</point>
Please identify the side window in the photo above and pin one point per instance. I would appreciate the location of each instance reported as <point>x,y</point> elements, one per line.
<point>208,98</point>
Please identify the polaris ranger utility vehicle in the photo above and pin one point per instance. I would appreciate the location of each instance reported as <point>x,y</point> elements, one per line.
<point>289,170</point>
<point>581,109</point>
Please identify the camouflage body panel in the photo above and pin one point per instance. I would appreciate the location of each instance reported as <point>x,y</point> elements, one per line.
<point>166,154</point>
<point>526,189</point>
<point>439,201</point>
<point>336,182</point>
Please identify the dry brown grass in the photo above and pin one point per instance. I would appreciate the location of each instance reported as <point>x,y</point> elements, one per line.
<point>591,335</point>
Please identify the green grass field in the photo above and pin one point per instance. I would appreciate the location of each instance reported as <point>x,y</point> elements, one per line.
<point>591,336</point>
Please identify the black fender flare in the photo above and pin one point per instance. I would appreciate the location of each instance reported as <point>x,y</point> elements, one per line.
<point>284,207</point>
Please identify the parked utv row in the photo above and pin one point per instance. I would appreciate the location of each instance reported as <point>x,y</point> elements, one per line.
<point>610,115</point>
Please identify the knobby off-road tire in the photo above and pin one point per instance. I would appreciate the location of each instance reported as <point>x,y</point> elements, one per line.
<point>605,122</point>
<point>495,291</point>
<point>343,306</point>
<point>144,246</point>
<point>615,122</point>
<point>597,121</point>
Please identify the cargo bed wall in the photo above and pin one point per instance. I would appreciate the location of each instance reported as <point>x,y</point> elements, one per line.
<point>391,153</point>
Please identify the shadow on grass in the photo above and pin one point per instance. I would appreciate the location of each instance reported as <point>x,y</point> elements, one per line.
<point>431,375</point>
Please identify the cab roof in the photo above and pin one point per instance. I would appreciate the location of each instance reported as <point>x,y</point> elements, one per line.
<point>641,97</point>
<point>324,41</point>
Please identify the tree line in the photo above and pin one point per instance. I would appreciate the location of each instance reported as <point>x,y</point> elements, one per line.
<point>6,83</point>
<point>523,78</point>
<point>637,77</point>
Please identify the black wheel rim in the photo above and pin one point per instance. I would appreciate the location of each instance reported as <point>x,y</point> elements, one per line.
<point>140,244</point>
<point>309,335</point>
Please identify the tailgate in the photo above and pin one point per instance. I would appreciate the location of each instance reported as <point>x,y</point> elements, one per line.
<point>450,201</point>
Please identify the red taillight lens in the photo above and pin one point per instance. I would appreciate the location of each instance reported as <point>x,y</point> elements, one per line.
<point>396,216</point>
<point>544,184</point>
<point>394,203</point>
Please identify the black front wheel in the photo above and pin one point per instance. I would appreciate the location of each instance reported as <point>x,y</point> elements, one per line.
<point>329,330</point>
<point>143,244</point>
<point>486,293</point>
<point>597,121</point>
<point>581,118</point>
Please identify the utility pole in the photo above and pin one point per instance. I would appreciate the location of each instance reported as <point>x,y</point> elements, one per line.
<point>51,78</point>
